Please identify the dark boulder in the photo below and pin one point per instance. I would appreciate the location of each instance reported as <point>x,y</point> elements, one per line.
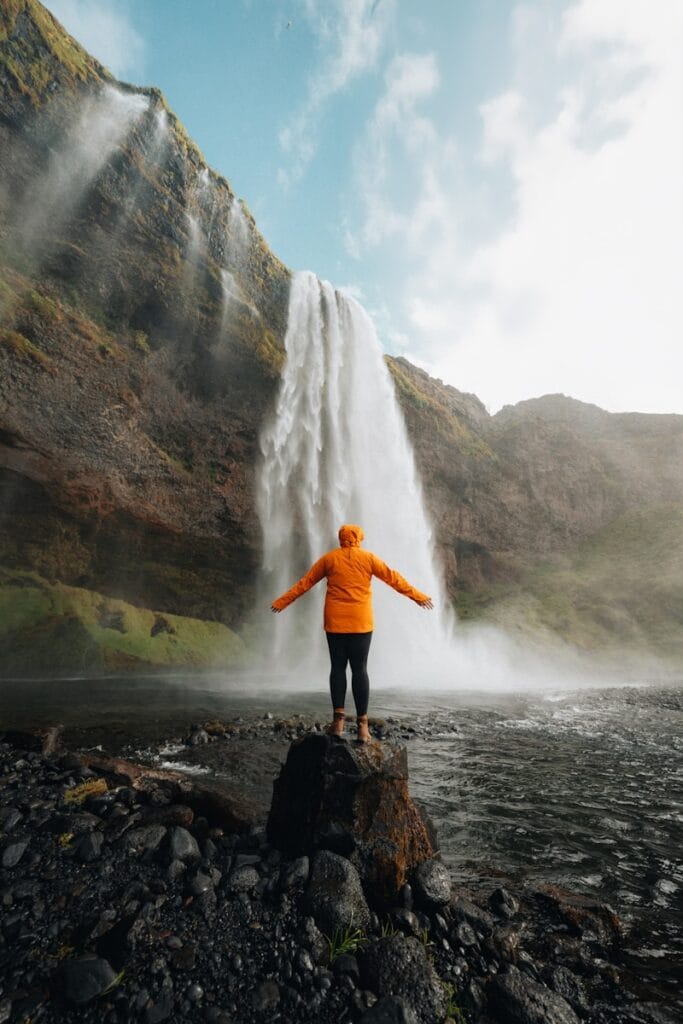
<point>516,999</point>
<point>86,978</point>
<point>585,916</point>
<point>390,1010</point>
<point>567,985</point>
<point>399,966</point>
<point>432,885</point>
<point>352,799</point>
<point>334,896</point>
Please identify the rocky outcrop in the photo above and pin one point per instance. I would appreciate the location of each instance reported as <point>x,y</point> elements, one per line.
<point>352,799</point>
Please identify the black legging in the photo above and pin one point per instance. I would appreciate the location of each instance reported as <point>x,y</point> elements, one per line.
<point>352,647</point>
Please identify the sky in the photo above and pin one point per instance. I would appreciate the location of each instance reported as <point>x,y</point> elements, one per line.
<point>499,183</point>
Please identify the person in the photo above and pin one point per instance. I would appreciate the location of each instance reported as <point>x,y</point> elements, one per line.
<point>348,619</point>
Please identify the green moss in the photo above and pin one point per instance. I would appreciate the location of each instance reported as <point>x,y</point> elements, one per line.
<point>22,347</point>
<point>441,419</point>
<point>141,342</point>
<point>8,300</point>
<point>63,47</point>
<point>17,52</point>
<point>42,305</point>
<point>9,9</point>
<point>49,626</point>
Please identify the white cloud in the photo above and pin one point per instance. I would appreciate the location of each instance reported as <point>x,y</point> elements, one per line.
<point>578,288</point>
<point>351,34</point>
<point>103,27</point>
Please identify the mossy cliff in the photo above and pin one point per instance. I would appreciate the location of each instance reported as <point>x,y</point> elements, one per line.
<point>554,517</point>
<point>132,387</point>
<point>142,319</point>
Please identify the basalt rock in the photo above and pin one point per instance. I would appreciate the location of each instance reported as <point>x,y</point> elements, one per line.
<point>353,800</point>
<point>398,966</point>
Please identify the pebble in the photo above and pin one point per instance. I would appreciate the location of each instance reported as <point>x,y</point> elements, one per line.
<point>266,996</point>
<point>182,845</point>
<point>13,852</point>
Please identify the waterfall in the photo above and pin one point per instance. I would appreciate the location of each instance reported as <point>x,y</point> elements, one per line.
<point>102,125</point>
<point>336,451</point>
<point>238,233</point>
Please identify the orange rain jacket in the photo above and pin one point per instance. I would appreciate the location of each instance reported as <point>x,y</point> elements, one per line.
<point>349,571</point>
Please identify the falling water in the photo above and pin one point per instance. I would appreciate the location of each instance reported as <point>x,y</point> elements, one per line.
<point>101,126</point>
<point>337,451</point>
<point>238,233</point>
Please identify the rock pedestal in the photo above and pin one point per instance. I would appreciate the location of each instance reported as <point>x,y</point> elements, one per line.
<point>351,799</point>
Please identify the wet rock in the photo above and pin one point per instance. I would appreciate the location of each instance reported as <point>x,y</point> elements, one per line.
<point>89,847</point>
<point>503,903</point>
<point>175,869</point>
<point>198,738</point>
<point>86,978</point>
<point>346,964</point>
<point>171,814</point>
<point>567,985</point>
<point>9,818</point>
<point>516,999</point>
<point>432,885</point>
<point>406,921</point>
<point>334,896</point>
<point>243,879</point>
<point>398,966</point>
<point>505,940</point>
<point>266,996</point>
<point>182,845</point>
<point>314,940</point>
<point>294,874</point>
<point>5,1010</point>
<point>585,916</point>
<point>463,909</point>
<point>195,993</point>
<point>13,852</point>
<point>354,798</point>
<point>161,1010</point>
<point>463,934</point>
<point>390,1010</point>
<point>199,883</point>
<point>146,837</point>
<point>185,958</point>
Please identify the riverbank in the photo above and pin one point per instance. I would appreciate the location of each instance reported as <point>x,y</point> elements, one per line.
<point>188,919</point>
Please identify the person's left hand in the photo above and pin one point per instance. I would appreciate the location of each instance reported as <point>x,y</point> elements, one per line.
<point>274,609</point>
<point>428,604</point>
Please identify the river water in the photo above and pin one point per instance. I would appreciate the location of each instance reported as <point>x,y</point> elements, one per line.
<point>579,788</point>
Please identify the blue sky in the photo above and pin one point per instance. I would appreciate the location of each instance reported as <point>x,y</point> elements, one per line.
<point>497,182</point>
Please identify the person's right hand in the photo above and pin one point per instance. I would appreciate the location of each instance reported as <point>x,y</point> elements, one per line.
<point>274,609</point>
<point>426,604</point>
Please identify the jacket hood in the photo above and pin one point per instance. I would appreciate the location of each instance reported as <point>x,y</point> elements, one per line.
<point>350,536</point>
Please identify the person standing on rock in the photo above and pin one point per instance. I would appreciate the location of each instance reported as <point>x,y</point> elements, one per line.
<point>348,617</point>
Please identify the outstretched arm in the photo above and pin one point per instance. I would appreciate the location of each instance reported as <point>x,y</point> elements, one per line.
<point>313,576</point>
<point>394,579</point>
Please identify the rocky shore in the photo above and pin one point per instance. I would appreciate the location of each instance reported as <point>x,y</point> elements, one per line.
<point>131,893</point>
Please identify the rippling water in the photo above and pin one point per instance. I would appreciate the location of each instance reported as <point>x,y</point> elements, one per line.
<point>581,788</point>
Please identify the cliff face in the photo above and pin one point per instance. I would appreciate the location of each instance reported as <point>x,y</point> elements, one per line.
<point>141,341</point>
<point>142,319</point>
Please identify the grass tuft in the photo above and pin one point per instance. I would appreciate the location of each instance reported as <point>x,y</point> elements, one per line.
<point>345,940</point>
